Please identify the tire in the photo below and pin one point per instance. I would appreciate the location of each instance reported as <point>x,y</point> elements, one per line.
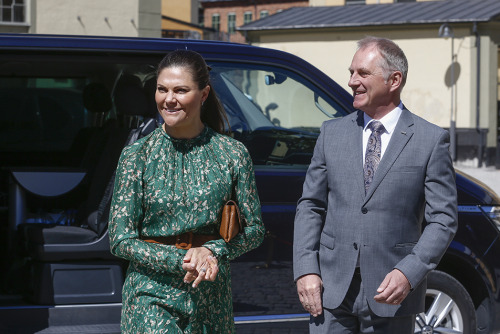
<point>448,307</point>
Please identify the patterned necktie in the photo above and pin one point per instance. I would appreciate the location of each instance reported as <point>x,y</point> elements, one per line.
<point>373,151</point>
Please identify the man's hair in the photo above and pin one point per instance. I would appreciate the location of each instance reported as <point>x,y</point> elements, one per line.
<point>393,58</point>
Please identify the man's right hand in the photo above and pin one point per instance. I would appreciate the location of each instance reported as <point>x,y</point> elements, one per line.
<point>309,288</point>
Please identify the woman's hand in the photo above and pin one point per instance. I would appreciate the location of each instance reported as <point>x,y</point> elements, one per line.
<point>200,265</point>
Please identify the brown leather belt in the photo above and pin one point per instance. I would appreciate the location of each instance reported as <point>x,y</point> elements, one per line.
<point>183,241</point>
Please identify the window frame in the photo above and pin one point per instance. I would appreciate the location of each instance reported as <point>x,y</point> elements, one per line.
<point>231,23</point>
<point>216,21</point>
<point>247,17</point>
<point>17,7</point>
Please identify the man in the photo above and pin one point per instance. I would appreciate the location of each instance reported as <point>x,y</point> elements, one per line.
<point>361,248</point>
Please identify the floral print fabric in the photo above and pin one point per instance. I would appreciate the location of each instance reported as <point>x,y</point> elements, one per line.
<point>164,187</point>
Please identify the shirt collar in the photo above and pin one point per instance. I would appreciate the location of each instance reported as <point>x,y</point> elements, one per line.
<point>389,121</point>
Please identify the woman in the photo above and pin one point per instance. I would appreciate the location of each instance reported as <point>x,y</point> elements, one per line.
<point>174,182</point>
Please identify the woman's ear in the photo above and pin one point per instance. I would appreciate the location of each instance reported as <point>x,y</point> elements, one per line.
<point>204,93</point>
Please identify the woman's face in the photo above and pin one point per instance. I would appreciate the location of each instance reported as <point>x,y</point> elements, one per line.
<point>179,101</point>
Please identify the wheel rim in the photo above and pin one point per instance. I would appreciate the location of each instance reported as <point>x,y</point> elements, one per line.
<point>442,316</point>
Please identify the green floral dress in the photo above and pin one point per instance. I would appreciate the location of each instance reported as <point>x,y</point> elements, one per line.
<point>164,187</point>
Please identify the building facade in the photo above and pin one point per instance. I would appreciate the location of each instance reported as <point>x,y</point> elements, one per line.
<point>131,18</point>
<point>356,2</point>
<point>454,79</point>
<point>184,19</point>
<point>224,16</point>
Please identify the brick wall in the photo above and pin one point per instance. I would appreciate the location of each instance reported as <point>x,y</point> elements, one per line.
<point>223,8</point>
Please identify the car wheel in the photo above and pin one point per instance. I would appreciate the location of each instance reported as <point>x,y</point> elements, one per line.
<point>448,307</point>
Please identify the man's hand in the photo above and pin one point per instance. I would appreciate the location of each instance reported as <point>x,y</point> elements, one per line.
<point>309,288</point>
<point>393,289</point>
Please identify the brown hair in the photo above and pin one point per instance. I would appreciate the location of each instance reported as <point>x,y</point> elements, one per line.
<point>212,111</point>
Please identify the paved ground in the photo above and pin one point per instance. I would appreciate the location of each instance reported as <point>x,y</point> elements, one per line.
<point>265,291</point>
<point>488,175</point>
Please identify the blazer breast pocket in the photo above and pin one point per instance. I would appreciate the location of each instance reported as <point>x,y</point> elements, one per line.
<point>405,178</point>
<point>408,169</point>
<point>327,241</point>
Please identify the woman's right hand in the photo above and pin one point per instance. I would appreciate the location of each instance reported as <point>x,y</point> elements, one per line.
<point>200,265</point>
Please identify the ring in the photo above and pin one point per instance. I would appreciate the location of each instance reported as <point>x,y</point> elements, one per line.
<point>203,270</point>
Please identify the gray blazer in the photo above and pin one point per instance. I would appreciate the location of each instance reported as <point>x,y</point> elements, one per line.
<point>335,220</point>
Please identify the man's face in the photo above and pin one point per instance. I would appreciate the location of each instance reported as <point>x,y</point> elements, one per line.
<point>370,89</point>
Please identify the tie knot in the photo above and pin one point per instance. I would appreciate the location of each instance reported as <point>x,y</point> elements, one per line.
<point>376,126</point>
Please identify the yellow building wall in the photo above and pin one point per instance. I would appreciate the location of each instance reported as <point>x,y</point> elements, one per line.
<point>427,92</point>
<point>130,18</point>
<point>181,10</point>
<point>376,2</point>
<point>171,25</point>
<point>316,3</point>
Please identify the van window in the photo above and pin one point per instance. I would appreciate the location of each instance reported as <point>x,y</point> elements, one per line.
<point>276,113</point>
<point>40,114</point>
<point>273,111</point>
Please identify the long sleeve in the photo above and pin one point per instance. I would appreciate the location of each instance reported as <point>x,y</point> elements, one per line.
<point>127,213</point>
<point>309,219</point>
<point>166,187</point>
<point>249,205</point>
<point>440,215</point>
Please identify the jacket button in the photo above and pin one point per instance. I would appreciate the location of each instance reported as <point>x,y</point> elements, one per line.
<point>364,210</point>
<point>355,246</point>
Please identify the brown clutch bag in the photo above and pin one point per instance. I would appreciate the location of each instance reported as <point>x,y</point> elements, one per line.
<point>230,224</point>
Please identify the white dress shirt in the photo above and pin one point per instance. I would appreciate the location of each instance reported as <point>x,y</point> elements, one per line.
<point>389,121</point>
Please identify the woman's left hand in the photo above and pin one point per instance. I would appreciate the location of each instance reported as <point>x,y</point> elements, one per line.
<point>200,265</point>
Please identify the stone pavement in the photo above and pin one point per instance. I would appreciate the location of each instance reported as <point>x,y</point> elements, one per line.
<point>259,290</point>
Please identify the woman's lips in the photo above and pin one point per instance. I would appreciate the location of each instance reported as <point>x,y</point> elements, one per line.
<point>172,111</point>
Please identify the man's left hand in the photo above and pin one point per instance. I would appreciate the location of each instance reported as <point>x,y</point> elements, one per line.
<point>393,289</point>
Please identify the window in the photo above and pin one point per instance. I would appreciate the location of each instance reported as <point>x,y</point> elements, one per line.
<point>43,113</point>
<point>46,111</point>
<point>201,17</point>
<point>216,22</point>
<point>247,17</point>
<point>12,11</point>
<point>264,13</point>
<point>231,23</point>
<point>266,109</point>
<point>355,2</point>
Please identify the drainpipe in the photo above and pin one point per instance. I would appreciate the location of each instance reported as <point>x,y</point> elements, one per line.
<point>478,90</point>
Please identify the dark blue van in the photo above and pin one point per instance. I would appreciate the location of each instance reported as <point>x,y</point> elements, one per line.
<point>68,107</point>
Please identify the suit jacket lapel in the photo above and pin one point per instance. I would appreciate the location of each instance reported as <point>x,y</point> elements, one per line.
<point>357,163</point>
<point>402,134</point>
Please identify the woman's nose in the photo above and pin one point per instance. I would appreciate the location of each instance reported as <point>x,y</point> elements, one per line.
<point>169,97</point>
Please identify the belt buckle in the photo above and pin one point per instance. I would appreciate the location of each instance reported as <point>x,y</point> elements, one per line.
<point>184,240</point>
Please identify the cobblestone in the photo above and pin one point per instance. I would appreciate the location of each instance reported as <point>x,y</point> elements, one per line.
<point>266,291</point>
